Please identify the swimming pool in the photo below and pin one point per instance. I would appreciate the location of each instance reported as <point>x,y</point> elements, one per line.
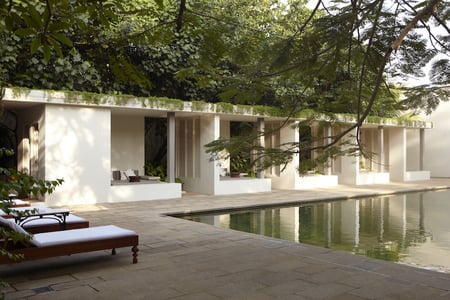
<point>411,228</point>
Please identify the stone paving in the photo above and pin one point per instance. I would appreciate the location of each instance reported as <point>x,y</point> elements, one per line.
<point>179,259</point>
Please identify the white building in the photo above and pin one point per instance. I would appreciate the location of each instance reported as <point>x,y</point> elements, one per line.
<point>83,137</point>
<point>437,142</point>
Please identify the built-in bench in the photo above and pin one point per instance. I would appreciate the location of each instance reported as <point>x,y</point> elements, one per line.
<point>131,176</point>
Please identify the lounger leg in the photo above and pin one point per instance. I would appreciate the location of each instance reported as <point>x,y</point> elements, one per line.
<point>113,252</point>
<point>135,251</point>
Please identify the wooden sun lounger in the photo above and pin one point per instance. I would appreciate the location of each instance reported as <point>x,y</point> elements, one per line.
<point>46,224</point>
<point>68,242</point>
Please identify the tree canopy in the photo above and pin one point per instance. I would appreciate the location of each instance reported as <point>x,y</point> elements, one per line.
<point>325,57</point>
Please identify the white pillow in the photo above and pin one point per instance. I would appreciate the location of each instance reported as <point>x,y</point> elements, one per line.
<point>129,173</point>
<point>123,176</point>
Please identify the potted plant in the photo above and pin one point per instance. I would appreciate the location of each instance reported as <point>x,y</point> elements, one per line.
<point>238,165</point>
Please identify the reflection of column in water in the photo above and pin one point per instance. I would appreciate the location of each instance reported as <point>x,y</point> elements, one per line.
<point>357,225</point>
<point>381,236</point>
<point>216,220</point>
<point>262,222</point>
<point>328,215</point>
<point>277,223</point>
<point>404,223</point>
<point>297,224</point>
<point>421,216</point>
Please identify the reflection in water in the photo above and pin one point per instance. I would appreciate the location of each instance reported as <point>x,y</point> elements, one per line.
<point>411,228</point>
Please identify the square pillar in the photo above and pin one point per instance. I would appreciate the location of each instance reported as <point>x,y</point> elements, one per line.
<point>261,142</point>
<point>209,170</point>
<point>328,140</point>
<point>397,154</point>
<point>349,163</point>
<point>381,156</point>
<point>171,147</point>
<point>422,148</point>
<point>287,178</point>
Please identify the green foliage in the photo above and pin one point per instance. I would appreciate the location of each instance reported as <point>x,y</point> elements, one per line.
<point>159,171</point>
<point>239,163</point>
<point>240,51</point>
<point>424,98</point>
<point>12,181</point>
<point>22,184</point>
<point>47,26</point>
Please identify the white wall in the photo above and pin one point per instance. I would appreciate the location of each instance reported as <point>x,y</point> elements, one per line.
<point>77,149</point>
<point>413,150</point>
<point>397,154</point>
<point>349,164</point>
<point>206,175</point>
<point>128,143</point>
<point>144,191</point>
<point>287,178</point>
<point>437,142</point>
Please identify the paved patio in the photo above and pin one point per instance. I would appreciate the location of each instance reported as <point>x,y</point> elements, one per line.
<point>180,259</point>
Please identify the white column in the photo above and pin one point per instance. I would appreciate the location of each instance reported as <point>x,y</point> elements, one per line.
<point>261,142</point>
<point>380,160</point>
<point>350,163</point>
<point>287,178</point>
<point>171,147</point>
<point>422,148</point>
<point>209,170</point>
<point>328,134</point>
<point>397,154</point>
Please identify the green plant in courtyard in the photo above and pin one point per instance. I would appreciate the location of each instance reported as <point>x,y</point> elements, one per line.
<point>13,181</point>
<point>158,171</point>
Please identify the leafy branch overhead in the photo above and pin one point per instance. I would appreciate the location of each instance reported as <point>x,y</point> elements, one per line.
<point>21,184</point>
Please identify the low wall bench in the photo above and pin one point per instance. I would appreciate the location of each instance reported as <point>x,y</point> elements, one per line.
<point>131,176</point>
<point>68,242</point>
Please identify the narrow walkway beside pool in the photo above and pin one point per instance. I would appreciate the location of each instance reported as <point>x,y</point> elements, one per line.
<point>180,259</point>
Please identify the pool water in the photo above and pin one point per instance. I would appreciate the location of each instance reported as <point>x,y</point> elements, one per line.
<point>412,228</point>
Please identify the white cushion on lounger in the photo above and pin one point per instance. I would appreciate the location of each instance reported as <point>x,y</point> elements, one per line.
<point>80,235</point>
<point>21,209</point>
<point>16,202</point>
<point>38,222</point>
<point>12,224</point>
<point>17,228</point>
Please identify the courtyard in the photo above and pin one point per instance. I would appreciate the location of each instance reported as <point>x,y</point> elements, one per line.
<point>179,259</point>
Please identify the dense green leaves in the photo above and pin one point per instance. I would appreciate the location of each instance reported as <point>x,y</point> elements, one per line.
<point>242,51</point>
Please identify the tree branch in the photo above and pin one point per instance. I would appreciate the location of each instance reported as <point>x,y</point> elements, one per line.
<point>181,10</point>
